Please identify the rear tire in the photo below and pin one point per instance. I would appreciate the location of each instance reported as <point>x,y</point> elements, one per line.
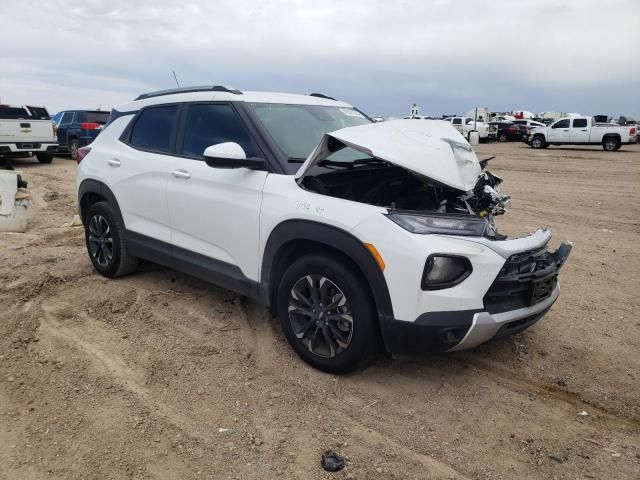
<point>327,313</point>
<point>538,142</point>
<point>44,157</point>
<point>106,245</point>
<point>73,148</point>
<point>610,144</point>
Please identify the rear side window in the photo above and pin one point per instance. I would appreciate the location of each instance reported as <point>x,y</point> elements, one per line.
<point>67,118</point>
<point>580,123</point>
<point>210,124</point>
<point>153,129</point>
<point>457,121</point>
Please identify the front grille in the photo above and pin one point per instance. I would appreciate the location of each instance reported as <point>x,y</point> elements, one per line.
<point>525,279</point>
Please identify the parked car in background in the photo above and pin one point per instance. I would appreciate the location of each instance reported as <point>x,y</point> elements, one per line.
<point>78,128</point>
<point>581,131</point>
<point>529,123</point>
<point>26,129</point>
<point>372,234</point>
<point>507,131</point>
<point>465,125</point>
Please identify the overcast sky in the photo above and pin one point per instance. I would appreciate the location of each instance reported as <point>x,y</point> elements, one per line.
<point>446,55</point>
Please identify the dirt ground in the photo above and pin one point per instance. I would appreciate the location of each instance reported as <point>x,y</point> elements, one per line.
<point>160,375</point>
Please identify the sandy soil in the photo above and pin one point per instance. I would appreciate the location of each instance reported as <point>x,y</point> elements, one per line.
<point>159,375</point>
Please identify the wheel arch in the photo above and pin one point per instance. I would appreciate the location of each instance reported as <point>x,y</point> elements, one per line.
<point>293,238</point>
<point>611,135</point>
<point>91,191</point>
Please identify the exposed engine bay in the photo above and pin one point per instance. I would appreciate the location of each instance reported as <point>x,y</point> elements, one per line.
<point>383,184</point>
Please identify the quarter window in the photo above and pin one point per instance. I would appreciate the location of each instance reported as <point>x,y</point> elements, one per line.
<point>209,124</point>
<point>580,123</point>
<point>153,128</point>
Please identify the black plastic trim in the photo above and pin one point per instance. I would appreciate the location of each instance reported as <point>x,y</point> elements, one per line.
<point>440,286</point>
<point>95,186</point>
<point>294,230</point>
<point>431,332</point>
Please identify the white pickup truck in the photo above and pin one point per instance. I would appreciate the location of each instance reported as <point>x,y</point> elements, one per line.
<point>465,125</point>
<point>581,131</point>
<point>25,130</point>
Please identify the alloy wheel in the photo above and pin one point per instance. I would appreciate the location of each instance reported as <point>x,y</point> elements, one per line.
<point>100,240</point>
<point>320,316</point>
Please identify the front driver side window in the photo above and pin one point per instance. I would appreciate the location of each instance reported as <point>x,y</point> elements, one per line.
<point>209,124</point>
<point>562,124</point>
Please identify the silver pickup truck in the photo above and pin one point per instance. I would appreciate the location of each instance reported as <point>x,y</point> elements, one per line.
<point>25,130</point>
<point>581,131</point>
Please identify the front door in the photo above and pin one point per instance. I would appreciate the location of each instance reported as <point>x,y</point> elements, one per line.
<point>214,212</point>
<point>559,132</point>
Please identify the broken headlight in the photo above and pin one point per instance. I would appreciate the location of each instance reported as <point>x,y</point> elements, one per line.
<point>443,224</point>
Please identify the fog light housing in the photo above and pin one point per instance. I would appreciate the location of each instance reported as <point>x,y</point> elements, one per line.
<point>445,271</point>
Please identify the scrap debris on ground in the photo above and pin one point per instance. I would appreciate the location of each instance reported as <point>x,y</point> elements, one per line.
<point>160,375</point>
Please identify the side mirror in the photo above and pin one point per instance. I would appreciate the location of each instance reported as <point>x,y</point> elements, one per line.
<point>231,155</point>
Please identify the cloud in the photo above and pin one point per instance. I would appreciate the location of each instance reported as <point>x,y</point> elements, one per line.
<point>447,55</point>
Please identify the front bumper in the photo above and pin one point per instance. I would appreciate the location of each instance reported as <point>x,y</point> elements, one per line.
<point>521,294</point>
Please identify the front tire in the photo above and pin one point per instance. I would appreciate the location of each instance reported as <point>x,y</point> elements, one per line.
<point>502,138</point>
<point>106,245</point>
<point>327,313</point>
<point>538,142</point>
<point>44,157</point>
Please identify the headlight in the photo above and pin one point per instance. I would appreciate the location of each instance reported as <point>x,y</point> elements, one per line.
<point>445,271</point>
<point>444,224</point>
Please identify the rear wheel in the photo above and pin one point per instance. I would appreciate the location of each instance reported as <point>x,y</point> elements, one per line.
<point>106,245</point>
<point>44,157</point>
<point>73,148</point>
<point>327,313</point>
<point>611,144</point>
<point>538,142</point>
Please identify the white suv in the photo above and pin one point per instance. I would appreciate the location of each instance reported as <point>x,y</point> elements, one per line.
<point>357,234</point>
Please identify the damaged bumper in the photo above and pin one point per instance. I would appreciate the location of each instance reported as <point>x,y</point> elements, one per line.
<point>523,291</point>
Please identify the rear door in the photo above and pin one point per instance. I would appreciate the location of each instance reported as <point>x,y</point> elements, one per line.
<point>579,130</point>
<point>63,128</point>
<point>215,212</point>
<point>559,132</point>
<point>138,171</point>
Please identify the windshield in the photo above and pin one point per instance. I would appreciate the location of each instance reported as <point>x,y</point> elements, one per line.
<point>297,129</point>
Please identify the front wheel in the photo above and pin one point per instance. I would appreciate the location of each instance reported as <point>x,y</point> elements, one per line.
<point>44,157</point>
<point>502,138</point>
<point>327,313</point>
<point>538,142</point>
<point>106,245</point>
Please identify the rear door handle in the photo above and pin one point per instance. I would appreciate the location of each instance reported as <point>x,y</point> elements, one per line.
<point>181,174</point>
<point>114,162</point>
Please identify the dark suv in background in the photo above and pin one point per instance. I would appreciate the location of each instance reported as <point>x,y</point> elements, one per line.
<point>78,128</point>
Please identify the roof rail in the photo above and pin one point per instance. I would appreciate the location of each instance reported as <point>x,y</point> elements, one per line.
<point>321,95</point>
<point>202,88</point>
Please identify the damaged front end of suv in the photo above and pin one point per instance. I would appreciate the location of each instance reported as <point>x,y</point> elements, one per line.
<point>472,283</point>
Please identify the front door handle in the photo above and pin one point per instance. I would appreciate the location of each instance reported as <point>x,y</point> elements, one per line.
<point>114,162</point>
<point>181,174</point>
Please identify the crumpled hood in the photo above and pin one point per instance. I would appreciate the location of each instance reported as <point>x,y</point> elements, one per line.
<point>431,148</point>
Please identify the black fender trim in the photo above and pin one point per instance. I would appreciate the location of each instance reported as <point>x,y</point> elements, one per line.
<point>293,230</point>
<point>95,186</point>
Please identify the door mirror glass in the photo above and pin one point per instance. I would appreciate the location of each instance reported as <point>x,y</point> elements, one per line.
<point>230,155</point>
